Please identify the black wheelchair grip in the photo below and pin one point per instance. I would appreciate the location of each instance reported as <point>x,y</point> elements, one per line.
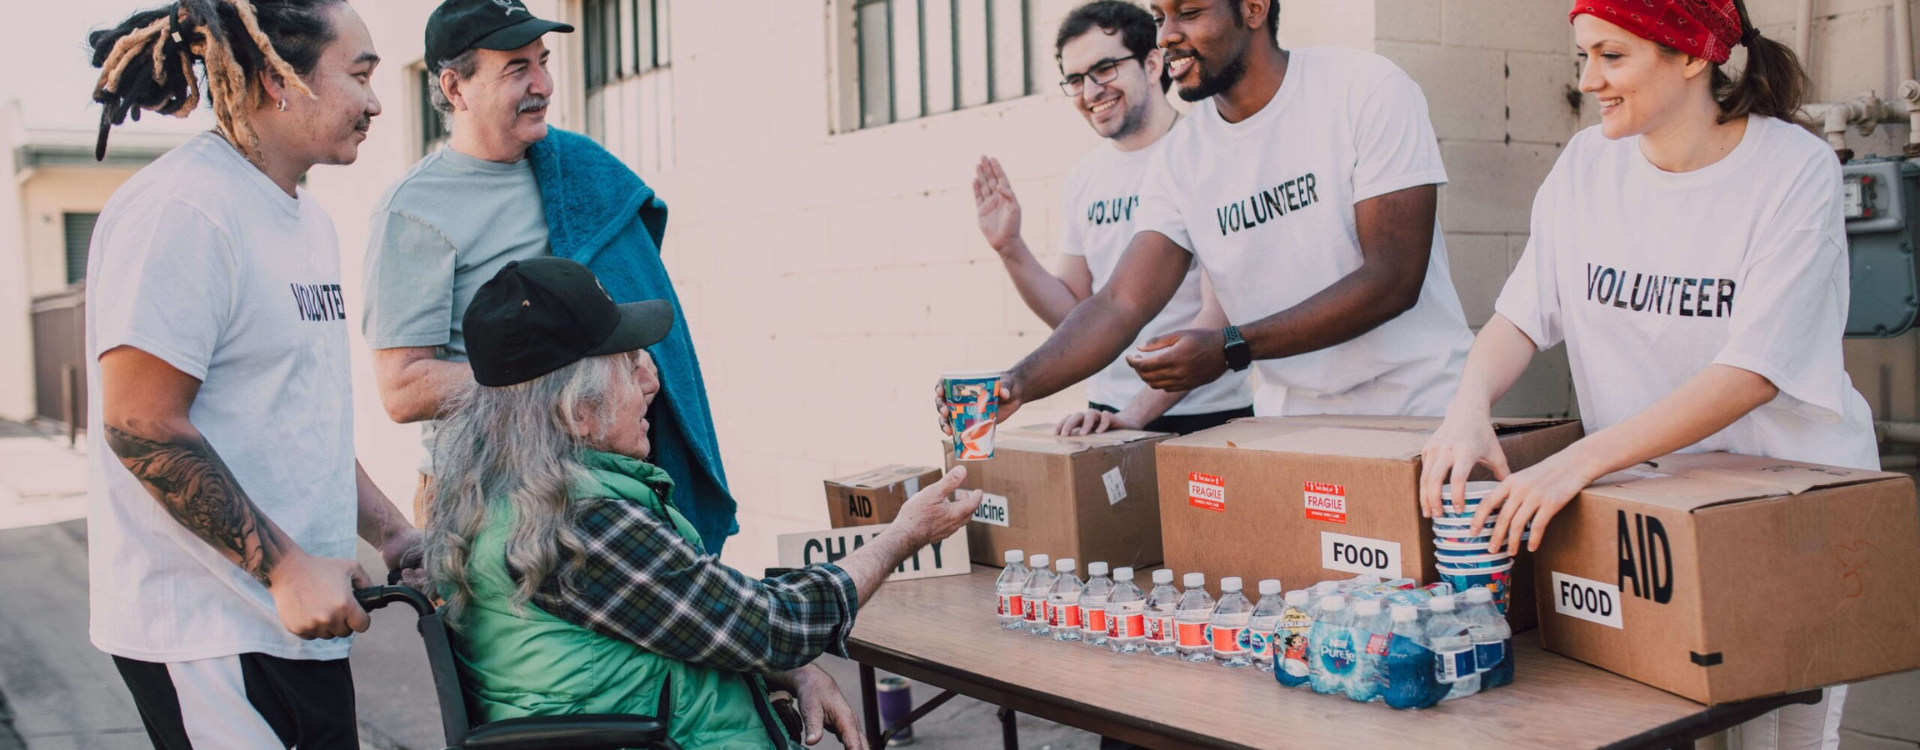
<point>375,597</point>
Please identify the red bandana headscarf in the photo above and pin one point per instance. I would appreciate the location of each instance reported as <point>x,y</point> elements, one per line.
<point>1702,28</point>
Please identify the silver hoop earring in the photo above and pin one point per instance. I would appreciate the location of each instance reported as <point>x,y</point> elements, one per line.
<point>281,107</point>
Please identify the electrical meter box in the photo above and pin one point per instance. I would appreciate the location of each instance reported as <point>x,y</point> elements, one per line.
<point>1881,199</point>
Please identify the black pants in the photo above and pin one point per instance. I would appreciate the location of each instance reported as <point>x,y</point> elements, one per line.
<point>1185,424</point>
<point>304,704</point>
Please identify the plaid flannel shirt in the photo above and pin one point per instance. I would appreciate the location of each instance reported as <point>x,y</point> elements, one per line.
<point>640,582</point>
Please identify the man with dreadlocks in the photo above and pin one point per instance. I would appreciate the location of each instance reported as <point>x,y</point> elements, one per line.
<point>218,381</point>
<point>509,188</point>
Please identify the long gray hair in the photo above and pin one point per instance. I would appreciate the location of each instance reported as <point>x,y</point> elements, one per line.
<point>514,449</point>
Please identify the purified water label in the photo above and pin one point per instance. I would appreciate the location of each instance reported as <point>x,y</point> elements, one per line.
<point>1487,655</point>
<point>1159,629</point>
<point>1586,599</point>
<point>1226,640</point>
<point>1192,634</point>
<point>1454,665</point>
<point>1010,604</point>
<point>1096,620</point>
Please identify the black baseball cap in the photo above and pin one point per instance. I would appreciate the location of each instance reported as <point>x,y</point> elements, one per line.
<point>537,316</point>
<point>460,25</point>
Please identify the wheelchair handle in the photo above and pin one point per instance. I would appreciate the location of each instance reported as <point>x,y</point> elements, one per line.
<point>375,597</point>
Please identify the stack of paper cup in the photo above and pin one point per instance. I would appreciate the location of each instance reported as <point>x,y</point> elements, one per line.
<point>1463,560</point>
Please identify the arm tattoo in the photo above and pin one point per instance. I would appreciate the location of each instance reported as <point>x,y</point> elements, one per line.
<point>198,490</point>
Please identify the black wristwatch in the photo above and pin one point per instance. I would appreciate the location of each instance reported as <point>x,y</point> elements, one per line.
<point>1239,352</point>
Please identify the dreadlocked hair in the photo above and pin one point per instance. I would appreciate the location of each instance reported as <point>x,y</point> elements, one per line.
<point>147,61</point>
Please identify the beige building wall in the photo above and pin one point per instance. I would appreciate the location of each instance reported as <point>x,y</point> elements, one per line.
<point>47,194</point>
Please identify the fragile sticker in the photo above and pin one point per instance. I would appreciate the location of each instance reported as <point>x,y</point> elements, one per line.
<point>1326,502</point>
<point>1116,486</point>
<point>1586,599</point>
<point>1206,491</point>
<point>992,511</point>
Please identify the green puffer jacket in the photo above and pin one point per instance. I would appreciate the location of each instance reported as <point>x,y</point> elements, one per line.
<point>531,663</point>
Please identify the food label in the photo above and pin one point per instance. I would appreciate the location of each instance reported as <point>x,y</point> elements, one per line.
<point>1586,599</point>
<point>1191,634</point>
<point>1206,491</point>
<point>1361,555</point>
<point>1326,502</point>
<point>1010,604</point>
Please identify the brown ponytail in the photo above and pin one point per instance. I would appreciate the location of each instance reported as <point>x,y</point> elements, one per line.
<point>1773,83</point>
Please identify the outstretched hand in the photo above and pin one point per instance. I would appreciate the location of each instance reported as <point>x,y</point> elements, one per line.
<point>999,209</point>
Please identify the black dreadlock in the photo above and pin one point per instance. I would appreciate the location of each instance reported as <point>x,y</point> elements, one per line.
<point>147,61</point>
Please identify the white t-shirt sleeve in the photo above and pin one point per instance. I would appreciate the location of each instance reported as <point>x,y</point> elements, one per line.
<point>1394,143</point>
<point>164,284</point>
<point>1159,210</point>
<point>1790,309</point>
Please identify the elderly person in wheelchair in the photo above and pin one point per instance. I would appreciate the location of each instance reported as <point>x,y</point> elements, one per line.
<point>572,584</point>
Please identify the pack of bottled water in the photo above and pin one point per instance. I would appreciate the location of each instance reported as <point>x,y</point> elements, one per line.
<point>1366,638</point>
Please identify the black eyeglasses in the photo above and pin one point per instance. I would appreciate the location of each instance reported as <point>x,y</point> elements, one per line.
<point>1103,73</point>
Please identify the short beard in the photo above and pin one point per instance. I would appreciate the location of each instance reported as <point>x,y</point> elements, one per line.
<point>1213,84</point>
<point>1135,119</point>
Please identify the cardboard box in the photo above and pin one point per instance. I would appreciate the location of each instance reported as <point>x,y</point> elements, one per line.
<point>875,497</point>
<point>1088,497</point>
<point>1722,578</point>
<point>1307,499</point>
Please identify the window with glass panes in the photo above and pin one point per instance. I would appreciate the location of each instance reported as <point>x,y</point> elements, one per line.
<point>623,38</point>
<point>924,57</point>
<point>433,124</point>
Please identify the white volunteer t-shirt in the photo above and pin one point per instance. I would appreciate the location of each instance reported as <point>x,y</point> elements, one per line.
<point>1651,276</point>
<point>1101,196</point>
<point>202,261</point>
<point>1267,205</point>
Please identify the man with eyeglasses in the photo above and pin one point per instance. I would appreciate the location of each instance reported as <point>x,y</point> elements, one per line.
<point>1115,77</point>
<point>1305,182</point>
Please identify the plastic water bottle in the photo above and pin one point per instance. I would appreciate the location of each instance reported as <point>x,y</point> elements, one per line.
<point>1331,655</point>
<point>1190,619</point>
<point>1063,602</point>
<point>1290,640</point>
<point>1492,639</point>
<point>1013,614</point>
<point>1162,603</point>
<point>1410,679</point>
<point>1372,632</point>
<point>1227,630</point>
<point>1033,596</point>
<point>1452,643</point>
<point>1126,615</point>
<point>1260,627</point>
<point>1093,605</point>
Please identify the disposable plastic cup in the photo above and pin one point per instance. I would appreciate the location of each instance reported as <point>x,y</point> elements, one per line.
<point>973,401</point>
<point>1472,561</point>
<point>1496,579</point>
<point>1463,542</point>
<point>1475,491</point>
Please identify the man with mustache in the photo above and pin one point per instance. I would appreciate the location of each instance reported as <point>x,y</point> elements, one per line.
<point>509,188</point>
<point>1116,79</point>
<point>1305,183</point>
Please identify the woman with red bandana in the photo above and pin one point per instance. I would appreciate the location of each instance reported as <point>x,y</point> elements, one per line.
<point>1691,252</point>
